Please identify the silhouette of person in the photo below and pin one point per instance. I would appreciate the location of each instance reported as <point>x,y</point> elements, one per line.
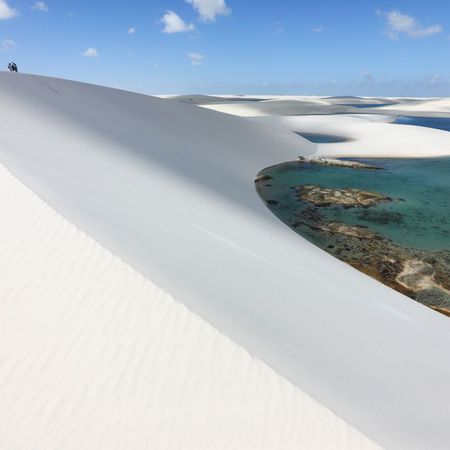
<point>10,67</point>
<point>14,67</point>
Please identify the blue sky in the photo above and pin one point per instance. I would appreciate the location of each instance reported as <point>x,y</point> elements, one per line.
<point>234,46</point>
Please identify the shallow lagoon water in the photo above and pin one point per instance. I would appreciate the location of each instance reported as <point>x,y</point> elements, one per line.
<point>418,216</point>
<point>322,138</point>
<point>411,232</point>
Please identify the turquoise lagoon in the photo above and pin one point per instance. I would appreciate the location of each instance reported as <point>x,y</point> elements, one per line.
<point>413,228</point>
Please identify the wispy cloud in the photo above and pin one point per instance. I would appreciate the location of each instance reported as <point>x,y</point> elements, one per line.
<point>6,12</point>
<point>90,52</point>
<point>398,24</point>
<point>367,75</point>
<point>318,30</point>
<point>195,58</point>
<point>6,45</point>
<point>208,10</point>
<point>131,30</point>
<point>436,79</point>
<point>40,6</point>
<point>173,23</point>
<point>279,27</point>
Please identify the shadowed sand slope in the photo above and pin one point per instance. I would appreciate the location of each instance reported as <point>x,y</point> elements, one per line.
<point>168,187</point>
<point>95,356</point>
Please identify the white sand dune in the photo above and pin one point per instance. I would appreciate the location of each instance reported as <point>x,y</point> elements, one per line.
<point>211,99</point>
<point>168,187</point>
<point>369,135</point>
<point>95,356</point>
<point>290,105</point>
<point>441,105</point>
<point>278,107</point>
<point>299,105</point>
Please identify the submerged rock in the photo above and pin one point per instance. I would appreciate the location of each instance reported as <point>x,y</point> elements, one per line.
<point>348,230</point>
<point>420,274</point>
<point>416,275</point>
<point>420,277</point>
<point>348,198</point>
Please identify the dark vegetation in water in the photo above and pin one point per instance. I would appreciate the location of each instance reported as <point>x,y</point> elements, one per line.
<point>381,217</point>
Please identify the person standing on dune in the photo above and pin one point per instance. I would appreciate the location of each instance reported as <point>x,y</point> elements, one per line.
<point>12,66</point>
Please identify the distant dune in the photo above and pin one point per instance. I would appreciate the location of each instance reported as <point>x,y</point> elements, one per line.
<point>150,299</point>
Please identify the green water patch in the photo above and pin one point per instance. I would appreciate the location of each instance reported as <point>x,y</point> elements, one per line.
<point>392,223</point>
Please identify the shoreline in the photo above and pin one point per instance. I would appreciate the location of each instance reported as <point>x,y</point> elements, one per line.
<point>307,160</point>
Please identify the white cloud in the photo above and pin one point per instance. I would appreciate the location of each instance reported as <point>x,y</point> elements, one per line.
<point>317,30</point>
<point>131,30</point>
<point>6,12</point>
<point>398,23</point>
<point>436,79</point>
<point>278,27</point>
<point>6,45</point>
<point>90,52</point>
<point>41,6</point>
<point>210,9</point>
<point>173,23</point>
<point>367,76</point>
<point>195,58</point>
